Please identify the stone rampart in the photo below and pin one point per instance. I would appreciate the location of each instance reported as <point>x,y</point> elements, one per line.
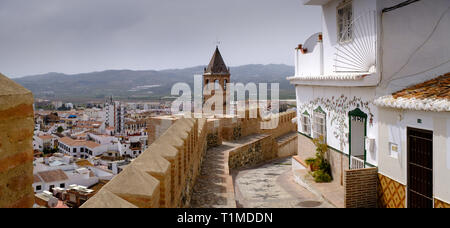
<point>16,145</point>
<point>164,175</point>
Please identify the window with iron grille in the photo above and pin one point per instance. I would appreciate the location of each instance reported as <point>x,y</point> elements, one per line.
<point>319,124</point>
<point>306,124</point>
<point>345,21</point>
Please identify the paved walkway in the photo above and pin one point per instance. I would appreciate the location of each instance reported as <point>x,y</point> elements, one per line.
<point>214,186</point>
<point>272,186</point>
<point>332,192</point>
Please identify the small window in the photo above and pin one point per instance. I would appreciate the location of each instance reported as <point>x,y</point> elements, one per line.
<point>319,125</point>
<point>62,185</point>
<point>225,84</point>
<point>306,123</point>
<point>345,21</point>
<point>38,188</point>
<point>51,187</point>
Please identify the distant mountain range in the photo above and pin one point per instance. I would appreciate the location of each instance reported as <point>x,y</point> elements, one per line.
<point>143,85</point>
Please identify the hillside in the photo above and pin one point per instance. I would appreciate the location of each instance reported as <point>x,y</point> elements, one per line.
<point>143,85</point>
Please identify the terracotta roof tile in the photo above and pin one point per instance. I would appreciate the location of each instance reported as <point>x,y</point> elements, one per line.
<point>70,142</point>
<point>438,88</point>
<point>36,179</point>
<point>46,137</point>
<point>53,175</point>
<point>83,163</point>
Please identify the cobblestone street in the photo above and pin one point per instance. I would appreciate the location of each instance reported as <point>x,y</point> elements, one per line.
<point>272,186</point>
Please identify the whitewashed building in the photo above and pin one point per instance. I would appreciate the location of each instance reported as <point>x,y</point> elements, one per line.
<point>367,50</point>
<point>81,148</point>
<point>42,142</point>
<point>115,115</point>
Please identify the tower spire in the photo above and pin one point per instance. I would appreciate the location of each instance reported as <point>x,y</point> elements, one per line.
<point>217,65</point>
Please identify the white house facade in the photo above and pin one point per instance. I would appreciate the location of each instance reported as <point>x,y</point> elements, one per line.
<point>368,49</point>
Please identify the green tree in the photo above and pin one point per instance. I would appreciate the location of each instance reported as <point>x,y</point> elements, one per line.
<point>60,129</point>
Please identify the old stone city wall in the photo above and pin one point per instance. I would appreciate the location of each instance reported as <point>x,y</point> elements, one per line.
<point>164,175</point>
<point>16,150</point>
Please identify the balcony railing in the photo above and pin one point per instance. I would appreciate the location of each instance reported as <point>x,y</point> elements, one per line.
<point>357,163</point>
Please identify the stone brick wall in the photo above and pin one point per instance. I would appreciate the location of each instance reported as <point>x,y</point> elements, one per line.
<point>234,128</point>
<point>253,153</point>
<point>287,146</point>
<point>16,148</point>
<point>164,175</point>
<point>214,137</point>
<point>157,126</point>
<point>361,188</point>
<point>284,125</point>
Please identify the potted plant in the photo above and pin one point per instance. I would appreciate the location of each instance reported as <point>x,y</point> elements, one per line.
<point>320,167</point>
<point>313,164</point>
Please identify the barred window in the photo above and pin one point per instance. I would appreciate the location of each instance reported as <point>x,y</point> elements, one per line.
<point>306,124</point>
<point>345,21</point>
<point>319,124</point>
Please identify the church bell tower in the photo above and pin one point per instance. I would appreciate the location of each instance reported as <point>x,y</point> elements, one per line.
<point>217,74</point>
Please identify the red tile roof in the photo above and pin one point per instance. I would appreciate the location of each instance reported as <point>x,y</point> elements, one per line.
<point>438,88</point>
<point>36,179</point>
<point>53,175</point>
<point>46,137</point>
<point>70,142</point>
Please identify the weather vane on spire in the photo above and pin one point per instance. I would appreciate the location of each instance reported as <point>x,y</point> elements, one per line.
<point>217,41</point>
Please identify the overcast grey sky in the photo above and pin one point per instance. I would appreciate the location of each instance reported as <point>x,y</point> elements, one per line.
<point>75,36</point>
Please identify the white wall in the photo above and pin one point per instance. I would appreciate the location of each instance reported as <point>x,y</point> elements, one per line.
<point>310,63</point>
<point>415,43</point>
<point>337,117</point>
<point>393,129</point>
<point>46,186</point>
<point>329,27</point>
<point>364,49</point>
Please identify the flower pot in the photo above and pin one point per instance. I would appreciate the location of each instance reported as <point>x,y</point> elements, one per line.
<point>313,168</point>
